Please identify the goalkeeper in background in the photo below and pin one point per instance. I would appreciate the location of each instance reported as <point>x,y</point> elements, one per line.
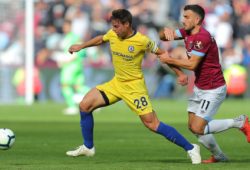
<point>71,75</point>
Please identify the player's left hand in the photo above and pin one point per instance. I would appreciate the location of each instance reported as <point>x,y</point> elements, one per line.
<point>182,80</point>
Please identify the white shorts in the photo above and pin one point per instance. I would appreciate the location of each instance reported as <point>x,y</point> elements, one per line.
<point>205,103</point>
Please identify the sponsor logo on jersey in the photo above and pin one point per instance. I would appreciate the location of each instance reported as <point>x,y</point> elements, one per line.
<point>124,56</point>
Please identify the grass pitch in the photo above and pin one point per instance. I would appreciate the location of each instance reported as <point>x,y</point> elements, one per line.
<point>44,134</point>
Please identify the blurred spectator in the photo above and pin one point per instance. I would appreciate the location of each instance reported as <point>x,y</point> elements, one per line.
<point>236,80</point>
<point>166,85</point>
<point>80,19</point>
<point>246,52</point>
<point>12,30</point>
<point>231,55</point>
<point>224,30</point>
<point>5,40</point>
<point>241,18</point>
<point>175,8</point>
<point>98,23</point>
<point>56,14</point>
<point>19,82</point>
<point>14,53</point>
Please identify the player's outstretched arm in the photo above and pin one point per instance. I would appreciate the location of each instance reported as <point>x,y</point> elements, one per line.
<point>190,64</point>
<point>182,77</point>
<point>168,34</point>
<point>98,40</point>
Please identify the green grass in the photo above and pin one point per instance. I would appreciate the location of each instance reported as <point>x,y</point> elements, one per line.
<point>43,135</point>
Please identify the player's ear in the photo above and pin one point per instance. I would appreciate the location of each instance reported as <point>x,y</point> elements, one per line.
<point>126,24</point>
<point>197,20</point>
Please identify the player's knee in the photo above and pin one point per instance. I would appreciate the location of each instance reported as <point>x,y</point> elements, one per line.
<point>196,129</point>
<point>151,125</point>
<point>85,107</point>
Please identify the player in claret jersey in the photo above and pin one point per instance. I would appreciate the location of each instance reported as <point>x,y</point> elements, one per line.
<point>210,89</point>
<point>127,48</point>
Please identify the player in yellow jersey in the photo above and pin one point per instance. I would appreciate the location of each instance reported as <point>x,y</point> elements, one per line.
<point>127,48</point>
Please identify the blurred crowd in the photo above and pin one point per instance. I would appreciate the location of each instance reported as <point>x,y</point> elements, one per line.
<point>227,20</point>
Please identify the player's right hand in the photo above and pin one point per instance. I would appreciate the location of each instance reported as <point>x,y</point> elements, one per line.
<point>74,48</point>
<point>182,80</point>
<point>169,34</point>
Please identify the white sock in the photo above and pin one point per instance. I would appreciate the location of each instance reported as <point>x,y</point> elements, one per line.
<point>239,121</point>
<point>216,126</point>
<point>209,142</point>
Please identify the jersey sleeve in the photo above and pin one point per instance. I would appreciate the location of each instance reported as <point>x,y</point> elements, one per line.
<point>181,33</point>
<point>201,45</point>
<point>150,45</point>
<point>107,36</point>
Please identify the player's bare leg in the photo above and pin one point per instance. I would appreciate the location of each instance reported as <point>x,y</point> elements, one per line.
<point>91,101</point>
<point>216,126</point>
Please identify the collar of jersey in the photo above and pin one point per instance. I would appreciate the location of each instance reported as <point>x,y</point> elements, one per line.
<point>132,34</point>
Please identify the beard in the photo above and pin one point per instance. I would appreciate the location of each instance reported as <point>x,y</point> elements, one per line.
<point>189,30</point>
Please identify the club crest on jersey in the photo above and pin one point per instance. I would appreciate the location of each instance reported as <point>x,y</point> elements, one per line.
<point>131,48</point>
<point>198,45</point>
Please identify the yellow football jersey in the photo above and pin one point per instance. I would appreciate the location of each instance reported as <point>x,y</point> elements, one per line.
<point>127,54</point>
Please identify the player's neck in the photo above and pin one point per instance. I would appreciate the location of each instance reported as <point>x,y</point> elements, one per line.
<point>196,30</point>
<point>130,33</point>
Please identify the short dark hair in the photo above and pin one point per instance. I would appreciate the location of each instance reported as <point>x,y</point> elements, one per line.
<point>197,9</point>
<point>122,15</point>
